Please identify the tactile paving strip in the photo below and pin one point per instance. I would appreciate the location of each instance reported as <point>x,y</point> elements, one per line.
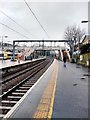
<point>40,114</point>
<point>44,109</point>
<point>45,101</point>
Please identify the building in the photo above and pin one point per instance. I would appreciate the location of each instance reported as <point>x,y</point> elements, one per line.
<point>85,52</point>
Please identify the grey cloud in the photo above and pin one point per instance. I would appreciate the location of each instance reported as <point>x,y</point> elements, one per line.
<point>55,17</point>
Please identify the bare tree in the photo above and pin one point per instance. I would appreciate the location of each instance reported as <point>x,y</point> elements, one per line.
<point>73,34</point>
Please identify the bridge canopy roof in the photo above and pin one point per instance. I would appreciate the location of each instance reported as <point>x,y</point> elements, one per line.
<point>40,40</point>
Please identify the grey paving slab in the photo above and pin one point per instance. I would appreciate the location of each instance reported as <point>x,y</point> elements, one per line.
<point>71,97</point>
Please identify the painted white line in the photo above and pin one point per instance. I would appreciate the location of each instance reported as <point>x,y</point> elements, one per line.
<point>4,107</point>
<point>5,101</point>
<point>22,99</point>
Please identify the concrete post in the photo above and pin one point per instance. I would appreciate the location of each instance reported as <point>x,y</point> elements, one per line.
<point>13,50</point>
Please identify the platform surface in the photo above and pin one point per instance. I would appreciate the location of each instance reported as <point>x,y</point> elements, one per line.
<point>69,97</point>
<point>8,63</point>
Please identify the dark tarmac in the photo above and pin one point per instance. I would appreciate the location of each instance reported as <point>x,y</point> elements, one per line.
<point>71,99</point>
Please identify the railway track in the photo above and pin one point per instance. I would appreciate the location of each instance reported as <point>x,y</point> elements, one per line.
<point>9,71</point>
<point>15,87</point>
<point>17,77</point>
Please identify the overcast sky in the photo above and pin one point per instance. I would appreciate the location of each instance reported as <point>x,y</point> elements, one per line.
<point>54,17</point>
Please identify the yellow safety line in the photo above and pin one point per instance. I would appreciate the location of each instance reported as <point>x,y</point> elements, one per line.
<point>53,94</point>
<point>45,107</point>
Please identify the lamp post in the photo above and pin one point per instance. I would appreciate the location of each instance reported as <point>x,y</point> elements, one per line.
<point>8,45</point>
<point>2,46</point>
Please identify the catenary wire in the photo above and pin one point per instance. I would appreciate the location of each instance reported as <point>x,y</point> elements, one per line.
<point>36,18</point>
<point>13,30</point>
<point>16,22</point>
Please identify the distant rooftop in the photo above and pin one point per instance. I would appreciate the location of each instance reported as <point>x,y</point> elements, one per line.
<point>88,36</point>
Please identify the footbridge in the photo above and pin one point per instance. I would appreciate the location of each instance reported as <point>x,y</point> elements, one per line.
<point>37,41</point>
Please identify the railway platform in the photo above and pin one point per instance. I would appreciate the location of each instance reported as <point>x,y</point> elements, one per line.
<point>61,92</point>
<point>9,63</point>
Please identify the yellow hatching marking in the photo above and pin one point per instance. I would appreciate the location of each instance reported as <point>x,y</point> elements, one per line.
<point>45,107</point>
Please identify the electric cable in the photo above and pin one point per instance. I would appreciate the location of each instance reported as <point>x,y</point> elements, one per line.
<point>13,30</point>
<point>36,18</point>
<point>16,22</point>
